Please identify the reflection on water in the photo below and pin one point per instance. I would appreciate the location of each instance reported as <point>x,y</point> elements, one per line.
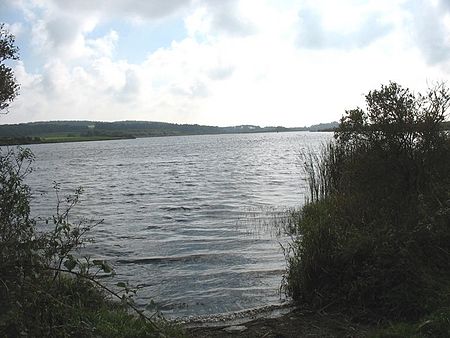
<point>185,218</point>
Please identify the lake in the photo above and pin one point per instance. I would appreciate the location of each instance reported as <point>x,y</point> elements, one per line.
<point>188,219</point>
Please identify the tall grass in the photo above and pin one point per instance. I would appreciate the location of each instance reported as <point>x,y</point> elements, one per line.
<point>322,171</point>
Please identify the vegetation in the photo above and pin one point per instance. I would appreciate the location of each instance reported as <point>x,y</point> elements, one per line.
<point>9,87</point>
<point>374,238</point>
<point>70,131</point>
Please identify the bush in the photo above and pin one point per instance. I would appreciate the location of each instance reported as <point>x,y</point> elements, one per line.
<point>374,237</point>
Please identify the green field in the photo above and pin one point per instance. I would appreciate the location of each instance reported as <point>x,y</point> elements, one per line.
<point>78,138</point>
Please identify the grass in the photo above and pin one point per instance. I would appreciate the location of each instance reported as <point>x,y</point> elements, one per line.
<point>435,325</point>
<point>58,138</point>
<point>74,307</point>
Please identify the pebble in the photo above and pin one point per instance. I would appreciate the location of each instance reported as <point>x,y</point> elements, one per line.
<point>235,329</point>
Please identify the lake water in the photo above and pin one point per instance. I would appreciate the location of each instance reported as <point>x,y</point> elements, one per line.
<point>187,219</point>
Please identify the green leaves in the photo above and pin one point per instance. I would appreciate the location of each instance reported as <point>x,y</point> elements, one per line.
<point>8,85</point>
<point>397,119</point>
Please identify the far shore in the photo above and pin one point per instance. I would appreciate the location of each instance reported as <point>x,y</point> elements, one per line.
<point>77,138</point>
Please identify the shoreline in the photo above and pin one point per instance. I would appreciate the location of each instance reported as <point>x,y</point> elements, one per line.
<point>237,317</point>
<point>296,323</point>
<point>30,140</point>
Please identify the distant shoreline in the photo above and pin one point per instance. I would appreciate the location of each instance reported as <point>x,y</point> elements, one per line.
<point>31,140</point>
<point>63,132</point>
<point>87,131</point>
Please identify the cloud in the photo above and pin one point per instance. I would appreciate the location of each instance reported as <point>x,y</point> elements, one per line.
<point>429,30</point>
<point>15,29</point>
<point>56,35</point>
<point>372,29</point>
<point>197,89</point>
<point>221,72</point>
<point>168,86</point>
<point>226,18</point>
<point>132,87</point>
<point>445,4</point>
<point>144,9</point>
<point>62,31</point>
<point>213,18</point>
<point>238,62</point>
<point>69,29</point>
<point>105,45</point>
<point>313,33</point>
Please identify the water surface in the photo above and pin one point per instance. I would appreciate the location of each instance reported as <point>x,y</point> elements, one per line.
<point>187,218</point>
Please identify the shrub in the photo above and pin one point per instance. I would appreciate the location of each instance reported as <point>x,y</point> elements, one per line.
<point>374,237</point>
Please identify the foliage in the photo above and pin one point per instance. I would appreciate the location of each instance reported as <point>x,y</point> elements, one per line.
<point>375,235</point>
<point>8,85</point>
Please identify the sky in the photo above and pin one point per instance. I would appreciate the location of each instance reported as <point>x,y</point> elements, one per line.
<point>219,62</point>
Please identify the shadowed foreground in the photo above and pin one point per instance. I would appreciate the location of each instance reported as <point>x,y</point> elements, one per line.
<point>299,323</point>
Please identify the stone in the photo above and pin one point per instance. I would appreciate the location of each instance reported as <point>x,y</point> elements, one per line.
<point>235,329</point>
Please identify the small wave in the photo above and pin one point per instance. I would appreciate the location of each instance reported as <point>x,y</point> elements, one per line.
<point>167,259</point>
<point>130,194</point>
<point>152,227</point>
<point>179,208</point>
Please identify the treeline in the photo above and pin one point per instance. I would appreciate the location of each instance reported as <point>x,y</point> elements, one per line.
<point>66,131</point>
<point>136,128</point>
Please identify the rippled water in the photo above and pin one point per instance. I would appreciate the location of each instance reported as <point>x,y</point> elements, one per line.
<point>186,218</point>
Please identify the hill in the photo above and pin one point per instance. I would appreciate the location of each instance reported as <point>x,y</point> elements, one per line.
<point>70,131</point>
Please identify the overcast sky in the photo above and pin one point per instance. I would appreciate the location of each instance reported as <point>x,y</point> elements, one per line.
<point>219,62</point>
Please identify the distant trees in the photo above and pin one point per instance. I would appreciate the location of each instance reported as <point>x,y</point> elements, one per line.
<point>9,88</point>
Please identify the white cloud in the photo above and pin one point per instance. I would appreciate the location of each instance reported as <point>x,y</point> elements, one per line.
<point>227,18</point>
<point>340,26</point>
<point>427,23</point>
<point>143,9</point>
<point>241,62</point>
<point>15,28</point>
<point>103,46</point>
